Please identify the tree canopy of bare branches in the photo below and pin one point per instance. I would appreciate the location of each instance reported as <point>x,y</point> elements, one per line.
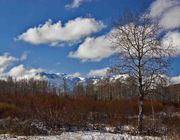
<point>141,54</point>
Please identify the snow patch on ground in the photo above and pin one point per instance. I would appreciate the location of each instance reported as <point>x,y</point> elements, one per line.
<point>81,136</point>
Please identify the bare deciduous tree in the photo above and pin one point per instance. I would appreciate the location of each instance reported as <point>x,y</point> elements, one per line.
<point>141,54</point>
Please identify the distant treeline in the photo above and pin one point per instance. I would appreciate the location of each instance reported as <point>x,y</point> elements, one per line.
<point>104,89</point>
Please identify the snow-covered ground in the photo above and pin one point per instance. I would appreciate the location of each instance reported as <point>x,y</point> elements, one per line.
<point>81,136</point>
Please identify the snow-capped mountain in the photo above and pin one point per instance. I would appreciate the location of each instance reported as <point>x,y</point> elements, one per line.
<point>59,79</point>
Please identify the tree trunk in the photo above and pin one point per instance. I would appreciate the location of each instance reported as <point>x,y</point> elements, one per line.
<point>153,116</point>
<point>141,114</point>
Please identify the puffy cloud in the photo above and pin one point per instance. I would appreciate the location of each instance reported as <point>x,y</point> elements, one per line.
<point>9,67</point>
<point>171,18</point>
<point>159,6</point>
<point>172,38</point>
<point>20,72</point>
<point>168,13</point>
<point>76,3</point>
<point>17,71</point>
<point>98,72</point>
<point>56,33</point>
<point>93,49</point>
<point>5,61</point>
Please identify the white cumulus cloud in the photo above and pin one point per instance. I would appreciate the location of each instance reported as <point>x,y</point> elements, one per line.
<point>93,49</point>
<point>171,18</point>
<point>20,72</point>
<point>57,33</point>
<point>159,6</point>
<point>172,38</point>
<point>168,14</point>
<point>167,11</point>
<point>5,61</point>
<point>9,66</point>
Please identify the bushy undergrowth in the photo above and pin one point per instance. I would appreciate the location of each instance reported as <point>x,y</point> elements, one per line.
<point>28,101</point>
<point>57,112</point>
<point>67,110</point>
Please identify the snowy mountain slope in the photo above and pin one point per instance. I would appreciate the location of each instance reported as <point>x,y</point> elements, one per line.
<point>58,79</point>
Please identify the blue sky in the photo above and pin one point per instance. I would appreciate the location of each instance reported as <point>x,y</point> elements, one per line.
<point>17,16</point>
